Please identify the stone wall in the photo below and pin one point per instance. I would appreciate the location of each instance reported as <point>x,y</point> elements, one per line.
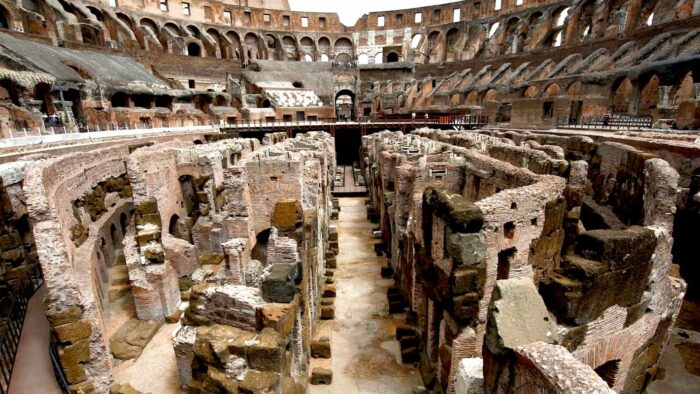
<point>470,221</point>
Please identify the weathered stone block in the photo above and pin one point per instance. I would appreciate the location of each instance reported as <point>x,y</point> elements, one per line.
<point>466,249</point>
<point>278,283</point>
<point>327,313</point>
<point>321,376</point>
<point>73,332</point>
<point>259,382</point>
<point>265,352</point>
<point>287,215</point>
<point>619,249</point>
<point>321,348</point>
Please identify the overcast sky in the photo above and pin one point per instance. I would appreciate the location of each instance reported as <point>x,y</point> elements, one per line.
<point>351,10</point>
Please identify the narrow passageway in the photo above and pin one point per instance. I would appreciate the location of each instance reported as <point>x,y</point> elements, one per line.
<point>365,354</point>
<point>33,372</point>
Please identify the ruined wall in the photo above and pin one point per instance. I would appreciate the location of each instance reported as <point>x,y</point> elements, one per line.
<point>508,220</point>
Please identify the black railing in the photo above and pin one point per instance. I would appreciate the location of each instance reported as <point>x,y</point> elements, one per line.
<point>12,323</point>
<point>58,368</point>
<point>615,121</point>
<point>11,333</point>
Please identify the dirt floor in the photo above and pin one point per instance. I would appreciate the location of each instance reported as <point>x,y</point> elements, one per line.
<point>366,356</point>
<point>680,362</point>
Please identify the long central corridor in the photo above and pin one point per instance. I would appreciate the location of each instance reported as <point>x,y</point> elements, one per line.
<point>366,356</point>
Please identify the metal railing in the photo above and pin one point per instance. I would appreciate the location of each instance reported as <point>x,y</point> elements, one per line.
<point>58,369</point>
<point>467,120</point>
<point>9,339</point>
<point>12,324</point>
<point>615,121</point>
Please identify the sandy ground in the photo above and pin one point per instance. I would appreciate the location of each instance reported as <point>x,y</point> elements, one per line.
<point>365,353</point>
<point>155,371</point>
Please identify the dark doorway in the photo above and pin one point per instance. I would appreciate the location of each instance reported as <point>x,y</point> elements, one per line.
<point>575,114</point>
<point>392,57</point>
<point>347,146</point>
<point>345,105</point>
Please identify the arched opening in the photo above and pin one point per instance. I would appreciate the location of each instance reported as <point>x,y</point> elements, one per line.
<point>4,18</point>
<point>622,95</point>
<point>252,46</point>
<point>289,45</point>
<point>97,13</point>
<point>42,92</point>
<point>120,100</point>
<point>343,58</point>
<point>142,100</point>
<point>298,84</point>
<point>113,234</point>
<point>649,98</point>
<point>392,57</point>
<point>324,47</point>
<point>344,105</point>
<point>363,59</point>
<point>452,42</point>
<point>193,49</point>
<point>198,142</point>
<point>235,50</point>
<point>223,48</point>
<point>123,222</point>
<point>259,251</point>
<point>265,103</point>
<point>172,227</point>
<point>609,371</point>
<point>505,258</point>
<point>415,41</point>
<point>9,91</point>
<point>379,58</point>
<point>91,35</point>
<point>307,47</point>
<point>551,91</point>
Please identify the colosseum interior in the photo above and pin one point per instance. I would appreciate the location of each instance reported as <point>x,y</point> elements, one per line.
<point>234,196</point>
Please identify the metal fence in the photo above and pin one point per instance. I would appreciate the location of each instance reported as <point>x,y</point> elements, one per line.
<point>12,324</point>
<point>615,121</point>
<point>58,369</point>
<point>9,339</point>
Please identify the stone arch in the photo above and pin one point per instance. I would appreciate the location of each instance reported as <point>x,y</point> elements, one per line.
<point>575,89</point>
<point>452,40</point>
<point>622,91</point>
<point>490,95</point>
<point>392,57</point>
<point>686,89</point>
<point>649,97</point>
<point>434,46</point>
<point>219,42</point>
<point>291,51</point>
<point>6,18</point>
<point>363,58</point>
<point>324,46</point>
<point>97,13</point>
<point>173,29</point>
<point>252,46</point>
<point>343,58</point>
<point>151,30</point>
<point>270,42</point>
<point>235,43</point>
<point>551,91</point>
<point>91,34</point>
<point>308,47</point>
<point>193,49</point>
<point>343,45</point>
<point>512,40</point>
<point>9,86</point>
<point>472,99</point>
<point>584,20</point>
<point>531,92</point>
